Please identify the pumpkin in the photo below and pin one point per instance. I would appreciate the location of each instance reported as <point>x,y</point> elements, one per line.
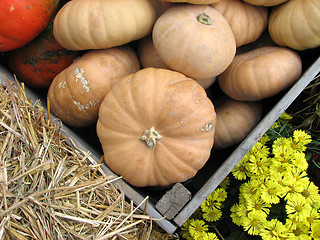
<point>76,93</point>
<point>193,1</point>
<point>235,120</point>
<point>23,20</point>
<point>149,57</point>
<point>266,3</point>
<point>195,40</point>
<point>41,60</point>
<point>240,16</point>
<point>156,127</point>
<point>98,24</point>
<point>260,73</point>
<point>295,24</point>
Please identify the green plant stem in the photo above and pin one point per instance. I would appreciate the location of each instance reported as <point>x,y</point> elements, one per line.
<point>217,230</point>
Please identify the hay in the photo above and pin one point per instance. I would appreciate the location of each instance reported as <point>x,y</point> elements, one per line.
<point>49,189</point>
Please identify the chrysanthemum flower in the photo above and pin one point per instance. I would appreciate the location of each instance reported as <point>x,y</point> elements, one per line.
<point>264,139</point>
<point>225,183</point>
<point>197,226</point>
<point>296,185</point>
<point>258,165</point>
<point>298,159</point>
<point>282,153</point>
<point>253,223</point>
<point>281,141</point>
<point>315,231</point>
<point>260,148</point>
<point>239,171</point>
<point>301,137</point>
<point>313,217</point>
<point>311,194</point>
<point>219,194</point>
<point>258,205</point>
<point>273,230</point>
<point>285,117</point>
<point>301,232</point>
<point>238,212</point>
<point>212,215</point>
<point>298,207</point>
<point>210,203</point>
<point>185,230</point>
<point>251,189</point>
<point>279,166</point>
<point>271,191</point>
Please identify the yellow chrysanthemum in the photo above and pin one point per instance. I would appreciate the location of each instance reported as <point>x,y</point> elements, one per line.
<point>301,137</point>
<point>225,183</point>
<point>197,226</point>
<point>258,165</point>
<point>311,193</point>
<point>258,205</point>
<point>238,212</point>
<point>273,230</point>
<point>298,159</point>
<point>313,217</point>
<point>281,141</point>
<point>315,231</point>
<point>271,191</point>
<point>219,194</point>
<point>285,117</point>
<point>251,189</point>
<point>253,223</point>
<point>301,232</point>
<point>297,207</point>
<point>264,139</point>
<point>212,215</point>
<point>296,185</point>
<point>239,171</point>
<point>185,230</point>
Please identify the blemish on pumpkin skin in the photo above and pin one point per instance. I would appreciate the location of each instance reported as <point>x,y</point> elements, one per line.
<point>84,107</point>
<point>12,8</point>
<point>79,77</point>
<point>207,127</point>
<point>62,84</point>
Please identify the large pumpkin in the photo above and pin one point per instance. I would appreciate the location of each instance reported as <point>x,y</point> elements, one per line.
<point>23,20</point>
<point>98,24</point>
<point>38,62</point>
<point>260,73</point>
<point>76,93</point>
<point>246,21</point>
<point>295,24</point>
<point>235,120</point>
<point>156,127</point>
<point>195,40</point>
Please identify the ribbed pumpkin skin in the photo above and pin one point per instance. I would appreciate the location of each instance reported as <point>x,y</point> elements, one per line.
<point>240,16</point>
<point>235,120</point>
<point>178,109</point>
<point>260,73</point>
<point>266,3</point>
<point>98,24</point>
<point>76,93</point>
<point>295,24</point>
<point>195,49</point>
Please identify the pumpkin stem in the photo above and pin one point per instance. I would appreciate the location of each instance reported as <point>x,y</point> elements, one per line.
<point>204,19</point>
<point>151,137</point>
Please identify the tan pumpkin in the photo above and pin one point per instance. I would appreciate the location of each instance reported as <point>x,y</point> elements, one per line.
<point>195,40</point>
<point>98,24</point>
<point>235,120</point>
<point>266,3</point>
<point>260,73</point>
<point>193,1</point>
<point>76,93</point>
<point>241,16</point>
<point>295,24</point>
<point>156,127</point>
<point>149,57</point>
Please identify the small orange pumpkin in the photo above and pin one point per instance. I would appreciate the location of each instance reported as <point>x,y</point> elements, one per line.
<point>260,73</point>
<point>76,93</point>
<point>235,120</point>
<point>156,127</point>
<point>240,16</point>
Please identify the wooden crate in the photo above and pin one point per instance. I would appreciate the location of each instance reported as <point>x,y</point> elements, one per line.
<point>171,207</point>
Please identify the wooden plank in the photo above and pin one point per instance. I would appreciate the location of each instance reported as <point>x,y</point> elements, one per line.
<point>248,143</point>
<point>80,144</point>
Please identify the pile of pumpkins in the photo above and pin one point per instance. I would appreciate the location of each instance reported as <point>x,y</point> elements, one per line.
<point>139,71</point>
